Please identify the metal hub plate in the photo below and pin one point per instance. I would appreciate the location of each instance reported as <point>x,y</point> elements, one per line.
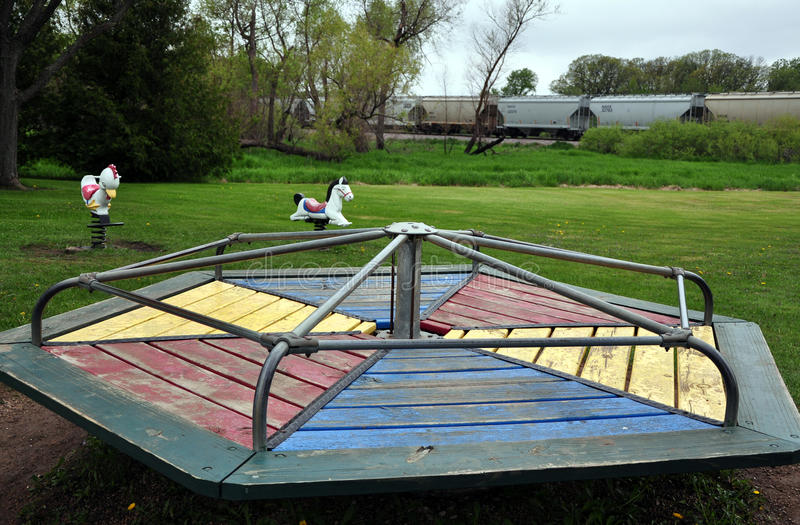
<point>410,228</point>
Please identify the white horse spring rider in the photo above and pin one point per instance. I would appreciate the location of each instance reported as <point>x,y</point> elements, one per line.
<point>309,209</point>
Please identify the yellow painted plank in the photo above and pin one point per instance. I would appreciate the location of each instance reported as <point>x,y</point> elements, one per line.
<point>110,327</point>
<point>235,312</point>
<point>223,306</point>
<point>525,353</point>
<point>366,327</point>
<point>168,324</point>
<point>268,315</point>
<point>609,364</point>
<point>565,359</point>
<point>700,389</point>
<point>653,372</point>
<point>455,334</point>
<point>337,322</point>
<point>290,322</point>
<point>486,333</point>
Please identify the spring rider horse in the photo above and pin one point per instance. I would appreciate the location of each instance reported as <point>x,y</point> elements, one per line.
<point>323,213</point>
<point>97,193</point>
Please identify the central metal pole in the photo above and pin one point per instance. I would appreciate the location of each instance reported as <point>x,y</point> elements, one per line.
<point>407,288</point>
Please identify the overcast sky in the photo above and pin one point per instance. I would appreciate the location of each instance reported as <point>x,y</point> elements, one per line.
<point>627,29</point>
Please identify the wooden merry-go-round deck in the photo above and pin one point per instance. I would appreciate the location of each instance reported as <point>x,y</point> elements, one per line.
<point>178,394</point>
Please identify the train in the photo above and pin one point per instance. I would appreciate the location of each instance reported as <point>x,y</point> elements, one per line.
<point>568,117</point>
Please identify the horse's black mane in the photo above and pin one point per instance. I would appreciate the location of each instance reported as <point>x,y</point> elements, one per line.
<point>340,180</point>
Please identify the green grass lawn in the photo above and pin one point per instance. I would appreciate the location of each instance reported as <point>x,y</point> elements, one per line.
<point>513,165</point>
<point>745,243</point>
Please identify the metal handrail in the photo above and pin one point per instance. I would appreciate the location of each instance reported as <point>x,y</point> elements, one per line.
<point>488,241</point>
<point>175,266</point>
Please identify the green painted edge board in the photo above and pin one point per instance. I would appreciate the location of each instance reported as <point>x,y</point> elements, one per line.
<point>74,319</point>
<point>318,473</point>
<point>765,403</point>
<point>186,453</point>
<point>621,300</point>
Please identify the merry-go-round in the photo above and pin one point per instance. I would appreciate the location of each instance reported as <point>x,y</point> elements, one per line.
<point>398,376</point>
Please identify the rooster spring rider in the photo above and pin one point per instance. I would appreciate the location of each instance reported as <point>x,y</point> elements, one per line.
<point>322,213</point>
<point>97,193</point>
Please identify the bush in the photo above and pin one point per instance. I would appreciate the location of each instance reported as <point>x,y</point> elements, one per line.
<point>603,140</point>
<point>48,169</point>
<point>777,141</point>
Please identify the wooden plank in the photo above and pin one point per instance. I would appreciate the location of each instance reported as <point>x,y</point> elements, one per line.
<point>290,322</point>
<point>366,327</point>
<point>337,323</point>
<point>499,333</point>
<point>188,454</point>
<point>435,327</point>
<point>106,329</point>
<point>765,404</point>
<point>653,372</point>
<point>609,453</point>
<point>342,361</point>
<point>247,372</point>
<point>440,364</point>
<point>534,309</point>
<point>528,354</point>
<point>608,365</point>
<point>446,379</point>
<point>455,334</point>
<point>201,382</point>
<point>556,389</point>
<point>700,389</point>
<point>212,296</point>
<point>487,415</point>
<point>565,359</point>
<point>519,311</point>
<point>170,398</point>
<point>225,306</point>
<point>264,317</point>
<point>532,433</point>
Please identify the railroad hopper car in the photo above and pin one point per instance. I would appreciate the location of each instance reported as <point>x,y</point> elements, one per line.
<point>640,111</point>
<point>562,116</point>
<point>753,107</point>
<point>451,114</point>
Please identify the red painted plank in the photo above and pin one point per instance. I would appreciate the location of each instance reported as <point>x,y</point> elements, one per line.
<point>434,326</point>
<point>542,298</point>
<point>323,364</point>
<point>206,355</point>
<point>483,317</point>
<point>166,396</point>
<point>453,319</point>
<point>500,285</point>
<point>522,311</point>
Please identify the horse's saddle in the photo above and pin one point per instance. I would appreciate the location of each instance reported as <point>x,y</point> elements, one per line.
<point>312,206</point>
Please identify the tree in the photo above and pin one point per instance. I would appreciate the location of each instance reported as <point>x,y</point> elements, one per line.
<point>139,96</point>
<point>593,75</point>
<point>404,24</point>
<point>491,42</point>
<point>20,24</point>
<point>519,83</point>
<point>784,75</point>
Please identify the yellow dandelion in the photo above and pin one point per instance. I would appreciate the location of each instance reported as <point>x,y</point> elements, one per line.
<point>700,272</point>
<point>131,506</point>
<point>677,515</point>
<point>756,492</point>
<point>729,273</point>
<point>147,224</point>
<point>303,522</point>
<point>38,216</point>
<point>22,314</point>
<point>36,285</point>
<point>763,283</point>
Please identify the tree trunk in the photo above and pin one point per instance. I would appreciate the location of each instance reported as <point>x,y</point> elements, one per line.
<point>380,126</point>
<point>273,90</point>
<point>9,121</point>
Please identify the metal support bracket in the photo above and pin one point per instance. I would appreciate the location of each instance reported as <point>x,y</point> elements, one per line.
<point>294,342</point>
<point>678,337</point>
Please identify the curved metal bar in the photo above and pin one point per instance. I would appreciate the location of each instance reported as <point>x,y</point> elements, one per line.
<point>708,297</point>
<point>573,256</point>
<point>178,254</point>
<point>262,393</point>
<point>729,382</point>
<point>559,288</point>
<point>261,399</point>
<point>311,234</point>
<point>38,309</point>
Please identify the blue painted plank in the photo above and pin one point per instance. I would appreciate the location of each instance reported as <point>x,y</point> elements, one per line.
<point>372,300</point>
<point>441,364</point>
<point>449,378</point>
<point>394,437</point>
<point>489,414</point>
<point>436,395</point>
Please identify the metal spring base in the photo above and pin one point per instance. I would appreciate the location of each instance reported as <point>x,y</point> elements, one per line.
<point>319,224</point>
<point>98,226</point>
